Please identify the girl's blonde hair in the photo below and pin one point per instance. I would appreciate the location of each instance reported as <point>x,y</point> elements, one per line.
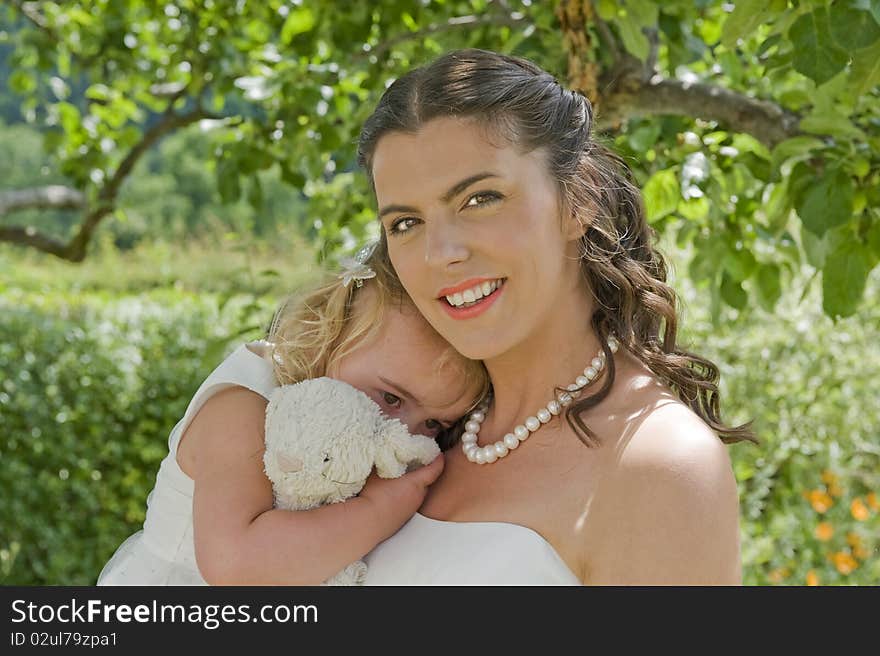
<point>312,331</point>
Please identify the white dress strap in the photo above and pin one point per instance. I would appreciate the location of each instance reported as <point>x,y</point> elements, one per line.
<point>247,366</point>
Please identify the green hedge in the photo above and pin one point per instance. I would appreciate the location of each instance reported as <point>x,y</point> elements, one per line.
<point>92,386</point>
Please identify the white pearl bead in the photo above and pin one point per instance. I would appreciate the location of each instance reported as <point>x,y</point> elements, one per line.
<point>472,427</point>
<point>543,415</point>
<point>511,441</point>
<point>501,449</point>
<point>521,432</point>
<point>533,424</point>
<point>478,416</point>
<point>574,387</point>
<point>480,457</point>
<point>590,373</point>
<point>468,437</point>
<point>470,451</point>
<point>597,363</point>
<point>489,454</point>
<point>565,398</point>
<point>580,381</point>
<point>554,407</point>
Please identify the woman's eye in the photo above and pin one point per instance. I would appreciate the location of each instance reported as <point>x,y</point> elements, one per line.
<point>402,225</point>
<point>433,425</point>
<point>391,399</point>
<point>482,198</point>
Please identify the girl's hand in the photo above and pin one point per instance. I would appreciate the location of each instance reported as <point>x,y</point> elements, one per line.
<point>404,495</point>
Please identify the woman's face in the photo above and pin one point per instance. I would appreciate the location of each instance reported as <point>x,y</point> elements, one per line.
<point>475,234</point>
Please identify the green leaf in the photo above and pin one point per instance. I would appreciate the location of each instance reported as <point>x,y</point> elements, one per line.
<point>740,264</point>
<point>816,249</point>
<point>662,193</point>
<point>778,206</point>
<point>843,279</point>
<point>22,82</point>
<point>632,36</point>
<point>865,69</point>
<point>793,148</point>
<point>644,137</point>
<point>733,293</point>
<point>815,53</point>
<point>747,15</point>
<point>826,204</point>
<point>298,21</point>
<point>851,28</point>
<point>769,286</point>
<point>228,183</point>
<point>832,123</point>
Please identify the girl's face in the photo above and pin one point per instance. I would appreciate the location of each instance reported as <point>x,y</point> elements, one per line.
<point>397,370</point>
<point>475,234</point>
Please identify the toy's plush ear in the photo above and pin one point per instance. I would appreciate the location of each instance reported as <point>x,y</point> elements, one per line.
<point>397,449</point>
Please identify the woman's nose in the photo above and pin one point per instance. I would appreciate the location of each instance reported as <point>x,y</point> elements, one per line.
<point>445,245</point>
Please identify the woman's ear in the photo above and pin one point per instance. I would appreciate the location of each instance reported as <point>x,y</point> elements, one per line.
<point>575,224</point>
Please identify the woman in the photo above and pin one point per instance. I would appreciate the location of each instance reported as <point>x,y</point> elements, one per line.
<point>524,243</point>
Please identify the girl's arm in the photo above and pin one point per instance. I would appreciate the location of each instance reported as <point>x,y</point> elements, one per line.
<point>240,539</point>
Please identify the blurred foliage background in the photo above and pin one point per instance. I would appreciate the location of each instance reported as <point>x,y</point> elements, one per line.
<point>169,171</point>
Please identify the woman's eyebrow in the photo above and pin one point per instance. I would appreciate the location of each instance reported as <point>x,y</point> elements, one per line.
<point>456,189</point>
<point>388,209</point>
<point>459,187</point>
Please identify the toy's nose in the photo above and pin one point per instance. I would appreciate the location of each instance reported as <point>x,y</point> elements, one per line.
<point>289,464</point>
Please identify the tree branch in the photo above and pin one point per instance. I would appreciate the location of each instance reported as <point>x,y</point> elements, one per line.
<point>766,121</point>
<point>75,249</point>
<point>49,197</point>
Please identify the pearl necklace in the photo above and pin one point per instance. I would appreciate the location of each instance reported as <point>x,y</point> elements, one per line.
<point>492,452</point>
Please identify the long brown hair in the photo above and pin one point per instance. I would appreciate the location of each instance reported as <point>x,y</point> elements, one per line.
<point>627,275</point>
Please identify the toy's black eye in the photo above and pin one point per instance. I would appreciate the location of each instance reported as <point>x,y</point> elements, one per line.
<point>326,458</point>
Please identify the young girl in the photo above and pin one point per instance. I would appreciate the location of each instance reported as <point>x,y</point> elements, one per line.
<point>210,518</point>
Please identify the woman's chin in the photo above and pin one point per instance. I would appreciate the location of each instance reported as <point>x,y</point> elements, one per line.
<point>483,348</point>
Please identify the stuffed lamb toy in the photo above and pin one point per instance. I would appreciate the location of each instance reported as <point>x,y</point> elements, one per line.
<point>323,438</point>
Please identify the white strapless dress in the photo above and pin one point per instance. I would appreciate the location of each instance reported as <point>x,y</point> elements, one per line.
<point>428,551</point>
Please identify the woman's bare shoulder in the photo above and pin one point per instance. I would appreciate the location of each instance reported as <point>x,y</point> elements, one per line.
<point>668,506</point>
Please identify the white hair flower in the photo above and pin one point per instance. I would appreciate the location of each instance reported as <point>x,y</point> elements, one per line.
<point>356,268</point>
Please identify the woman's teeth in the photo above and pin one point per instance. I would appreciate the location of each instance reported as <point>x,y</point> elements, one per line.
<point>471,296</point>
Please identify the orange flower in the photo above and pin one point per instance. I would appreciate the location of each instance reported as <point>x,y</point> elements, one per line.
<point>835,490</point>
<point>844,562</point>
<point>853,539</point>
<point>861,553</point>
<point>812,579</point>
<point>778,575</point>
<point>828,477</point>
<point>859,510</point>
<point>824,531</point>
<point>820,500</point>
<point>871,498</point>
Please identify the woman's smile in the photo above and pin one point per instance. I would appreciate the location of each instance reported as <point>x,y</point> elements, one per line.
<point>471,298</point>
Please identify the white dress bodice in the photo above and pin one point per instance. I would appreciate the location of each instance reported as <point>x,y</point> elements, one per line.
<point>427,551</point>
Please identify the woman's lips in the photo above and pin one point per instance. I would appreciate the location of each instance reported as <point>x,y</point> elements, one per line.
<point>476,309</point>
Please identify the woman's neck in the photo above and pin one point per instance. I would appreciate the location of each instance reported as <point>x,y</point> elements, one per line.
<point>524,377</point>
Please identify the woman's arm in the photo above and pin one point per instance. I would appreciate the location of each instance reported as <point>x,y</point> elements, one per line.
<point>670,510</point>
<point>241,539</point>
